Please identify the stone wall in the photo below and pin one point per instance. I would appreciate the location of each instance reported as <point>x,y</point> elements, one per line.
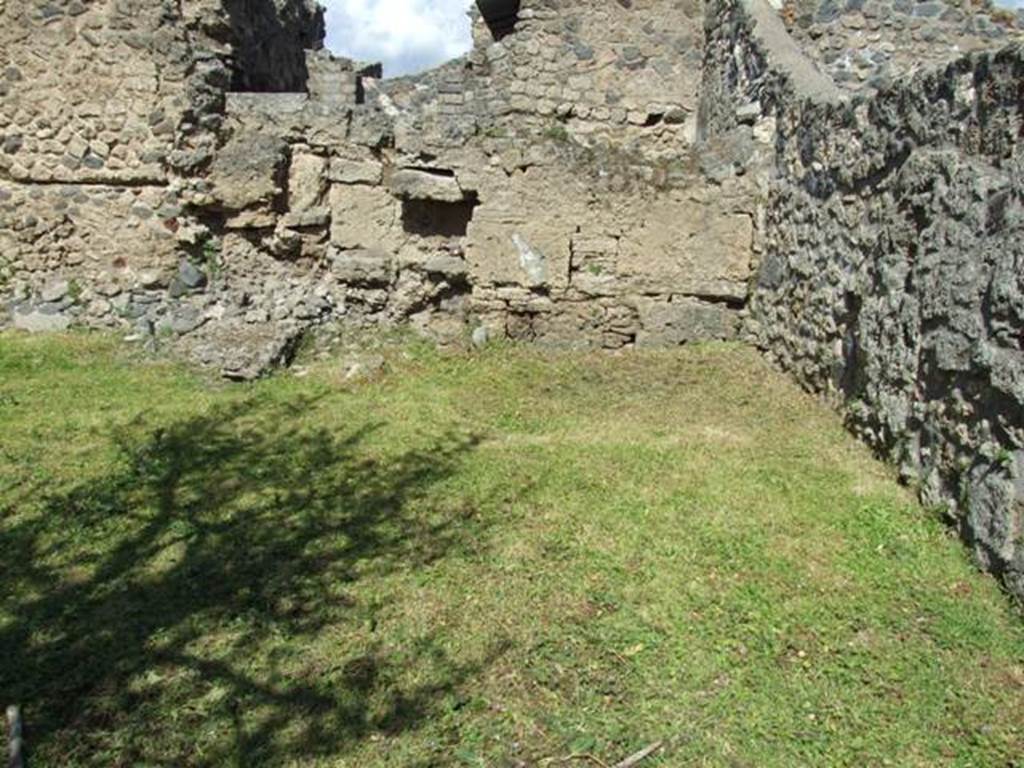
<point>110,110</point>
<point>892,267</point>
<point>622,72</point>
<point>866,45</point>
<point>518,192</point>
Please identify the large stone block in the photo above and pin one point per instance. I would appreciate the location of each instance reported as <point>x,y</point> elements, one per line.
<point>307,182</point>
<point>362,267</point>
<point>689,246</point>
<point>364,217</point>
<point>522,231</point>
<point>35,321</point>
<point>248,170</point>
<point>505,249</point>
<point>683,320</point>
<point>346,171</point>
<point>416,184</point>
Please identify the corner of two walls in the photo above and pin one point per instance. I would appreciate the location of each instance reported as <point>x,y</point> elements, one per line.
<point>892,275</point>
<point>539,188</point>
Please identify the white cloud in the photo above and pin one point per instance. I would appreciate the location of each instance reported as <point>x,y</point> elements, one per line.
<point>406,35</point>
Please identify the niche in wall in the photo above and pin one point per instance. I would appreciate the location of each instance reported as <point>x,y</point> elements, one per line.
<point>437,218</point>
<point>500,16</point>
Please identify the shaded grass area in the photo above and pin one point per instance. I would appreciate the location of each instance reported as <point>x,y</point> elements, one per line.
<point>515,558</point>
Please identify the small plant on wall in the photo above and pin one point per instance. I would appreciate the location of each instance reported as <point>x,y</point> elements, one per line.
<point>557,132</point>
<point>210,255</point>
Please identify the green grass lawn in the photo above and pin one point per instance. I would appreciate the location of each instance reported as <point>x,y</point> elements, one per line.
<point>513,558</point>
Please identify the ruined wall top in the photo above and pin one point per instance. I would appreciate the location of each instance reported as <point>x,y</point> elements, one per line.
<point>107,91</point>
<point>866,45</point>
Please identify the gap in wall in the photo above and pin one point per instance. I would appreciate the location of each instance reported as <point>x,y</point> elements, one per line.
<point>500,16</point>
<point>407,37</point>
<point>436,218</point>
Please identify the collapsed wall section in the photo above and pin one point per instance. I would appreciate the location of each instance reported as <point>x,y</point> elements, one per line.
<point>892,267</point>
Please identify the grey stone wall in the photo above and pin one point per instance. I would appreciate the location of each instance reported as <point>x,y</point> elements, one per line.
<point>867,45</point>
<point>891,275</point>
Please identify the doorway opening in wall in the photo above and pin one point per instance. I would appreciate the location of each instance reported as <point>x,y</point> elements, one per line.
<point>500,16</point>
<point>406,36</point>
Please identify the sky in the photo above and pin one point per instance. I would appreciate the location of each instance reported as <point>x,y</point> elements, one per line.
<point>406,35</point>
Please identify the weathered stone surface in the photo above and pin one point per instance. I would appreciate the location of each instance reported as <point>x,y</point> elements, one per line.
<point>424,185</point>
<point>307,219</point>
<point>446,266</point>
<point>480,336</point>
<point>683,320</point>
<point>191,276</point>
<point>241,351</point>
<point>690,247</point>
<point>510,244</point>
<point>532,254</point>
<point>248,170</point>
<point>153,279</point>
<point>259,219</point>
<point>184,319</point>
<point>346,171</point>
<point>362,267</point>
<point>36,321</point>
<point>55,291</point>
<point>307,182</point>
<point>362,217</point>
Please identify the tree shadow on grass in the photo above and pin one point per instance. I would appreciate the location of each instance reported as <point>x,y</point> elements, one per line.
<point>163,612</point>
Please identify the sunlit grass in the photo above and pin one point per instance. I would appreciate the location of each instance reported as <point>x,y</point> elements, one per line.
<point>502,559</point>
